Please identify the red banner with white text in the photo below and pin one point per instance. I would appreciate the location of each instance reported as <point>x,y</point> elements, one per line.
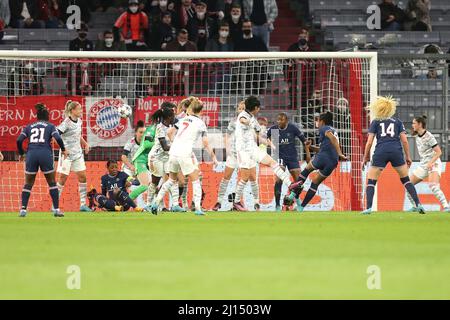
<point>18,112</point>
<point>145,107</point>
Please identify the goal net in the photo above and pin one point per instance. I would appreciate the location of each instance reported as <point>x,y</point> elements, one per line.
<point>302,85</point>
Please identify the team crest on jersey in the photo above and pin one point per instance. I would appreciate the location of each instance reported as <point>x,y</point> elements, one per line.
<point>104,120</point>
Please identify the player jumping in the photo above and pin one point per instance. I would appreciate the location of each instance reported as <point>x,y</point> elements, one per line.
<point>71,132</point>
<point>190,128</point>
<point>391,144</point>
<point>248,153</point>
<point>114,196</point>
<point>40,156</point>
<point>430,162</point>
<point>325,161</point>
<point>283,136</point>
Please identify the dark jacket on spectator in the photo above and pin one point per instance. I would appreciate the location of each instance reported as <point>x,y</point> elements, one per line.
<point>79,45</point>
<point>164,34</point>
<point>117,46</point>
<point>235,29</point>
<point>254,44</point>
<point>214,45</point>
<point>201,30</point>
<point>174,45</point>
<point>388,9</point>
<point>16,7</point>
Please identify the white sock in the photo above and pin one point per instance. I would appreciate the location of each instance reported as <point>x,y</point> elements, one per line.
<point>282,174</point>
<point>60,189</point>
<point>150,193</point>
<point>174,194</point>
<point>82,189</point>
<point>436,189</point>
<point>222,189</point>
<point>164,188</point>
<point>240,190</point>
<point>255,191</point>
<point>197,194</point>
<point>185,190</point>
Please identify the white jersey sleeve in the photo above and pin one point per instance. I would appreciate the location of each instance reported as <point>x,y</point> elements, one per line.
<point>425,145</point>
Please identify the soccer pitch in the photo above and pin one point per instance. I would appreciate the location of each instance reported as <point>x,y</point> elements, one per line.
<point>226,256</point>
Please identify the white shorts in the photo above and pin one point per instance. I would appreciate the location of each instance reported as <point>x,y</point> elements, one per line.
<point>159,168</point>
<point>422,171</point>
<point>65,166</point>
<point>231,161</point>
<point>187,165</point>
<point>249,159</point>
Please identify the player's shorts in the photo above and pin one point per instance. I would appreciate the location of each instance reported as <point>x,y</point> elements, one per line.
<point>186,165</point>
<point>249,159</point>
<point>65,166</point>
<point>39,160</point>
<point>141,167</point>
<point>290,164</point>
<point>324,164</point>
<point>422,171</point>
<point>159,168</point>
<point>231,161</point>
<point>381,158</point>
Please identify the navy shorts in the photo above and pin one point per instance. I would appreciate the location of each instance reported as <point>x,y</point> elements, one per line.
<point>324,164</point>
<point>381,158</point>
<point>290,164</point>
<point>36,160</point>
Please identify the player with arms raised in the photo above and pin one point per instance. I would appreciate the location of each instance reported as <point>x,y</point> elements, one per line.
<point>71,132</point>
<point>391,143</point>
<point>325,161</point>
<point>190,128</point>
<point>430,163</point>
<point>40,156</point>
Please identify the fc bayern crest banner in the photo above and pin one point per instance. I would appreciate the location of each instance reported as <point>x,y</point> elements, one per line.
<point>105,126</point>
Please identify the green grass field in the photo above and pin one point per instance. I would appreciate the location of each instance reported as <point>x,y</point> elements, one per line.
<point>225,255</point>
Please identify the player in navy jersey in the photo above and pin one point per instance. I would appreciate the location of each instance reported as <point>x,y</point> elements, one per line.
<point>40,156</point>
<point>283,137</point>
<point>325,161</point>
<point>114,196</point>
<point>391,143</point>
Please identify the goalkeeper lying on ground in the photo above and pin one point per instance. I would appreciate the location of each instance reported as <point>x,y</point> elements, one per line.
<point>114,196</point>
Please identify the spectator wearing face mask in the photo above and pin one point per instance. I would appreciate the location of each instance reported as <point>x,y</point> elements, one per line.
<point>201,27</point>
<point>108,43</point>
<point>81,43</point>
<point>186,11</point>
<point>155,10</point>
<point>234,20</point>
<point>223,41</point>
<point>249,42</point>
<point>262,14</point>
<point>165,32</point>
<point>302,45</point>
<point>181,43</point>
<point>133,25</point>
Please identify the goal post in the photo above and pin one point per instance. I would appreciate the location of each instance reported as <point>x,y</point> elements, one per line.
<point>299,84</point>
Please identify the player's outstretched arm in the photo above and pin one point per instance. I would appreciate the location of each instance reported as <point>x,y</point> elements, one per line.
<point>60,143</point>
<point>335,142</point>
<point>405,144</point>
<point>368,147</point>
<point>209,150</point>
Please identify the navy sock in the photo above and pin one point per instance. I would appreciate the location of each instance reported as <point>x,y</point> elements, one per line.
<point>370,192</point>
<point>277,187</point>
<point>304,174</point>
<point>26,193</point>
<point>125,200</point>
<point>53,188</point>
<point>180,190</point>
<point>411,189</point>
<point>310,194</point>
<point>104,202</point>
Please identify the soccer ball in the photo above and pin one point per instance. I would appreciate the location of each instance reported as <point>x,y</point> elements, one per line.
<point>124,111</point>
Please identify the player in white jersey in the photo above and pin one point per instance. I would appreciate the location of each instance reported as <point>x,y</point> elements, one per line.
<point>71,133</point>
<point>248,153</point>
<point>190,128</point>
<point>128,152</point>
<point>231,163</point>
<point>158,159</point>
<point>430,163</point>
